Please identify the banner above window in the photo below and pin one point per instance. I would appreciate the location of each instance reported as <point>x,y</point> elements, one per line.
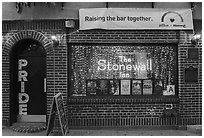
<point>129,18</point>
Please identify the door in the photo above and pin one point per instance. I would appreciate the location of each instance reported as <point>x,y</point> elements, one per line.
<point>30,81</point>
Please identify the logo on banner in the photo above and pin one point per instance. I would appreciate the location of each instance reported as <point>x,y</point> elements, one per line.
<point>172,19</point>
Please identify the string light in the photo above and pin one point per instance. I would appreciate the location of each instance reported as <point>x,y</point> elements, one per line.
<point>85,64</point>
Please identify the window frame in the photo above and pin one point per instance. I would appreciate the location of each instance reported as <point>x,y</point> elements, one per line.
<point>70,87</point>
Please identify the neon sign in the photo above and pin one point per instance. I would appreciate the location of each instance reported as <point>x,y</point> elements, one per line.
<point>126,65</point>
<point>103,65</point>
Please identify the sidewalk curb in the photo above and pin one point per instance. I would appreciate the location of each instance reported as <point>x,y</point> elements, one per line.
<point>196,129</point>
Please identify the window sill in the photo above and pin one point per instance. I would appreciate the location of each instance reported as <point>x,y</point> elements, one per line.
<point>124,99</point>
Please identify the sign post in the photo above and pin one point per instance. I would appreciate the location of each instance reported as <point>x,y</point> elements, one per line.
<point>58,108</point>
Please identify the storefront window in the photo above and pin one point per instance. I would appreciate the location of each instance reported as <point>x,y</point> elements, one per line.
<point>123,70</point>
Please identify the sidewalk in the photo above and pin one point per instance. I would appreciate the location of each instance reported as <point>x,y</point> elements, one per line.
<point>191,131</point>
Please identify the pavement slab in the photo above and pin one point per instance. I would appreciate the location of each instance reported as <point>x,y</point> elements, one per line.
<point>111,132</point>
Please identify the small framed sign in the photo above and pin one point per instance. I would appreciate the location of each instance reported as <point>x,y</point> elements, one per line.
<point>170,90</point>
<point>147,87</point>
<point>103,86</point>
<point>114,87</point>
<point>125,87</point>
<point>91,87</point>
<point>191,74</point>
<point>136,87</point>
<point>158,87</point>
<point>193,53</point>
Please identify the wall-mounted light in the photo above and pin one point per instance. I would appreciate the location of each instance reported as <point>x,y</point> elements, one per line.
<point>195,39</point>
<point>55,40</point>
<point>70,24</point>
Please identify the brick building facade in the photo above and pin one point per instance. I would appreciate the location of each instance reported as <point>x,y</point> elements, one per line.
<point>105,110</point>
<point>134,111</point>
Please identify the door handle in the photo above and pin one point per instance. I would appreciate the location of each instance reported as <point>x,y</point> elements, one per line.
<point>45,85</point>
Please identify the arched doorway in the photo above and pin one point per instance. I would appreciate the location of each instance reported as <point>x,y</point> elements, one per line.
<point>28,82</point>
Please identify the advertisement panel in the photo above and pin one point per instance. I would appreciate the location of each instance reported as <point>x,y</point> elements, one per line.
<point>147,87</point>
<point>136,87</point>
<point>125,87</point>
<point>132,18</point>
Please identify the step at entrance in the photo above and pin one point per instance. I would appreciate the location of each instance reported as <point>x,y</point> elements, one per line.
<point>28,127</point>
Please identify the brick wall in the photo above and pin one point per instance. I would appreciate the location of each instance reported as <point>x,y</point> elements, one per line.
<point>190,94</point>
<point>120,111</point>
<point>56,56</point>
<point>138,36</point>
